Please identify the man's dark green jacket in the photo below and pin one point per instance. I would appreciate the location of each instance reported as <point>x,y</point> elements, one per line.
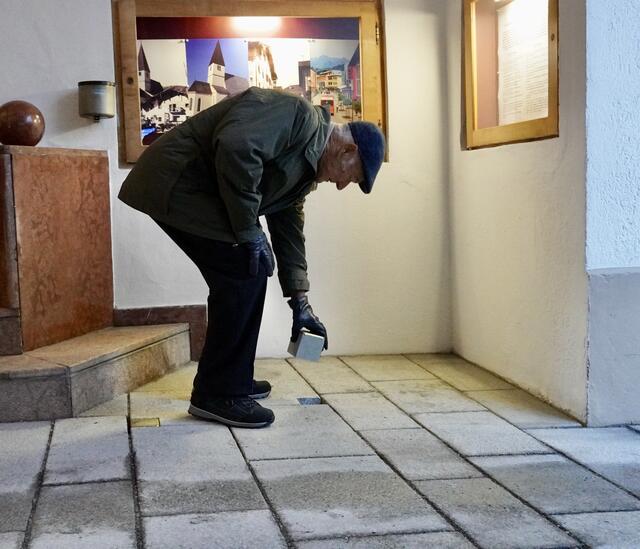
<point>250,155</point>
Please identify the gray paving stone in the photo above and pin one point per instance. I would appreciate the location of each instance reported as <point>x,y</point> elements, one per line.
<point>368,411</point>
<point>480,433</point>
<point>11,540</point>
<point>192,468</point>
<point>287,384</point>
<point>555,484</point>
<point>605,530</point>
<point>88,449</point>
<point>522,409</point>
<point>118,406</point>
<point>386,368</point>
<point>330,375</point>
<point>458,372</point>
<point>22,450</point>
<point>612,452</point>
<point>344,496</point>
<point>441,540</point>
<point>302,431</point>
<point>237,529</point>
<point>431,395</point>
<point>418,455</point>
<point>160,405</point>
<point>635,427</point>
<point>491,516</point>
<point>81,516</point>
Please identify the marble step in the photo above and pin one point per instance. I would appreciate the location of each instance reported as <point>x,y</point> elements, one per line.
<point>67,378</point>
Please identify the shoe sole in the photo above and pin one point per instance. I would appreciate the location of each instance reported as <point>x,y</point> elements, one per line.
<point>258,396</point>
<point>203,414</point>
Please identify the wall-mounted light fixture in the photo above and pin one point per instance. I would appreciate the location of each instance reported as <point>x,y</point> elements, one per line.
<point>97,99</point>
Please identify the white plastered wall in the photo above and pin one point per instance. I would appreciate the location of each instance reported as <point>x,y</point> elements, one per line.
<point>519,287</point>
<point>378,264</point>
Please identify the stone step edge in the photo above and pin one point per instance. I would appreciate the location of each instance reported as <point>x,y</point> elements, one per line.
<point>54,369</point>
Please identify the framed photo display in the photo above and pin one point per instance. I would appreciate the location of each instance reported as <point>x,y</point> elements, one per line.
<point>511,71</point>
<point>178,57</point>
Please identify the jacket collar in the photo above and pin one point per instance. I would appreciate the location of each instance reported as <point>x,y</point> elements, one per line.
<point>316,145</point>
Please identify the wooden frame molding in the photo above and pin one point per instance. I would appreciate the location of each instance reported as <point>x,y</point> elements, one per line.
<point>529,130</point>
<point>371,47</point>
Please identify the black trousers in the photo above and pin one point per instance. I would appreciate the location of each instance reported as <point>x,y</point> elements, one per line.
<point>234,314</point>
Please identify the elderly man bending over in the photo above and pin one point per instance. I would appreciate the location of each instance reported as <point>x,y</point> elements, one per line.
<point>207,182</point>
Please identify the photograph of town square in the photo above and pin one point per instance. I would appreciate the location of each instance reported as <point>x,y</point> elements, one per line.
<point>318,59</point>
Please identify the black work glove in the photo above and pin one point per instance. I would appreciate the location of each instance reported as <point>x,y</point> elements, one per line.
<point>304,317</point>
<point>260,252</point>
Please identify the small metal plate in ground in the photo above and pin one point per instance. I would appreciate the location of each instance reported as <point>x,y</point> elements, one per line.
<point>308,401</point>
<point>145,422</point>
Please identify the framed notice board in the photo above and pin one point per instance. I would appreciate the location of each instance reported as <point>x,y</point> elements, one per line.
<point>511,71</point>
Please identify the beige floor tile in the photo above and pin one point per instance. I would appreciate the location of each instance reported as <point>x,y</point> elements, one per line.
<point>369,411</point>
<point>428,395</point>
<point>331,375</point>
<point>386,367</point>
<point>178,383</point>
<point>458,372</point>
<point>522,409</point>
<point>287,384</point>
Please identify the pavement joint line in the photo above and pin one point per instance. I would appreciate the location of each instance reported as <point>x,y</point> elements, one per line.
<point>569,513</point>
<point>450,519</point>
<point>283,529</point>
<point>449,411</point>
<point>26,540</point>
<point>133,465</point>
<point>200,513</point>
<point>84,482</point>
<point>310,457</point>
<point>376,535</point>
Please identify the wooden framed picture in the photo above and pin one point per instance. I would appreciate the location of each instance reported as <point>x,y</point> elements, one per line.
<point>511,71</point>
<point>178,57</point>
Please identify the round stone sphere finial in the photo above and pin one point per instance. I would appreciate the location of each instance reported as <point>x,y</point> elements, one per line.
<point>21,123</point>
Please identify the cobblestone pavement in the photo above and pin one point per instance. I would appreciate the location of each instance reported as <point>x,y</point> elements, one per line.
<point>370,452</point>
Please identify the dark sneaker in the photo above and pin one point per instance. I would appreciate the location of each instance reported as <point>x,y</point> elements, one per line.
<point>260,389</point>
<point>234,411</point>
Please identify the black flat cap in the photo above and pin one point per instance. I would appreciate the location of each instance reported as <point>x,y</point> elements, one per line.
<point>371,145</point>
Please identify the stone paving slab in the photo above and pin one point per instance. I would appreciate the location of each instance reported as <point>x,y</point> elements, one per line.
<point>238,529</point>
<point>439,540</point>
<point>330,375</point>
<point>480,433</point>
<point>11,540</point>
<point>160,405</point>
<point>83,516</point>
<point>431,395</point>
<point>369,411</point>
<point>178,383</point>
<point>328,497</point>
<point>491,516</point>
<point>554,484</point>
<point>605,530</point>
<point>386,367</point>
<point>522,409</point>
<point>612,452</point>
<point>194,468</point>
<point>287,384</point>
<point>418,455</point>
<point>22,450</point>
<point>118,406</point>
<point>456,371</point>
<point>302,431</point>
<point>87,450</point>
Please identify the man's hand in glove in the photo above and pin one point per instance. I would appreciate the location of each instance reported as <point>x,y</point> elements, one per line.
<point>260,252</point>
<point>304,317</point>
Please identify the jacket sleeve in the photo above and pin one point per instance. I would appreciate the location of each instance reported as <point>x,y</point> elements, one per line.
<point>287,237</point>
<point>252,134</point>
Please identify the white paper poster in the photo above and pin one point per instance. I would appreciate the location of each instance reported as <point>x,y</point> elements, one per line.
<point>523,61</point>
